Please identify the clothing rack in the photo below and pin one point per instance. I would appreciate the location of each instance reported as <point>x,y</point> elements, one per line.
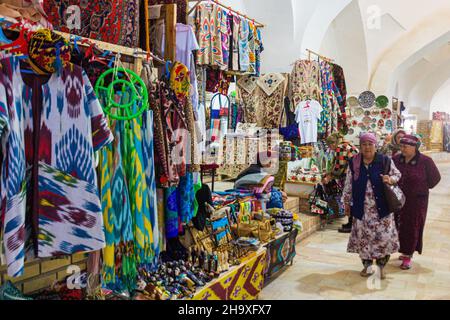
<point>319,55</point>
<point>256,23</point>
<point>136,53</point>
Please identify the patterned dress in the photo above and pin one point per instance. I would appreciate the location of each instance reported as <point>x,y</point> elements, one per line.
<point>210,23</point>
<point>67,126</point>
<point>305,81</point>
<point>372,237</point>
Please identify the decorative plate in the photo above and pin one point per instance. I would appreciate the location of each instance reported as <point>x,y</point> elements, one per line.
<point>367,113</point>
<point>388,125</point>
<point>374,120</point>
<point>374,112</point>
<point>353,101</point>
<point>367,99</point>
<point>386,113</point>
<point>374,125</point>
<point>359,112</point>
<point>354,123</point>
<point>367,121</point>
<point>381,123</point>
<point>361,125</point>
<point>382,102</point>
<point>351,131</point>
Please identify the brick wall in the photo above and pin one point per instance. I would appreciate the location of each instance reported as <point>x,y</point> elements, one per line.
<point>40,274</point>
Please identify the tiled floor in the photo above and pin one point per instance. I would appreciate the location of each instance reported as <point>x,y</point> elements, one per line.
<point>323,269</point>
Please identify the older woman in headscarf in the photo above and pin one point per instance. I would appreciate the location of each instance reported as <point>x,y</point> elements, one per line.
<point>343,151</point>
<point>392,147</point>
<point>419,175</point>
<point>374,235</point>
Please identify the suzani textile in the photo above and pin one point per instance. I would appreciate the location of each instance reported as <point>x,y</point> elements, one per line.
<point>50,129</point>
<point>114,21</point>
<point>243,283</point>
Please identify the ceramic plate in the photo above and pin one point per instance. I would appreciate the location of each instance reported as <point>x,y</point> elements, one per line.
<point>374,112</point>
<point>374,125</point>
<point>374,120</point>
<point>359,112</point>
<point>354,123</point>
<point>386,114</point>
<point>367,121</point>
<point>361,125</point>
<point>367,99</point>
<point>380,123</point>
<point>382,101</point>
<point>388,125</point>
<point>353,101</point>
<point>351,131</point>
<point>367,113</point>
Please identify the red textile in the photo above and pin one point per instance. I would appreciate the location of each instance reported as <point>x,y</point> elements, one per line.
<point>113,21</point>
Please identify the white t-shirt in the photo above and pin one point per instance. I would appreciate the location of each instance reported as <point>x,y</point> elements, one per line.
<point>307,116</point>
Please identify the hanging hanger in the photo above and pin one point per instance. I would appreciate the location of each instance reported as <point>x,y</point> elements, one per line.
<point>20,45</point>
<point>3,38</point>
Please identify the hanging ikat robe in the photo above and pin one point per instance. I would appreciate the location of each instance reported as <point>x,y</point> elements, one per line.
<point>68,126</point>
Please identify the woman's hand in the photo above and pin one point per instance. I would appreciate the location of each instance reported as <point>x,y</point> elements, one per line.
<point>387,179</point>
<point>284,195</point>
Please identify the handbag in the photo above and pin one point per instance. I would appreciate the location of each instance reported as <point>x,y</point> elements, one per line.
<point>394,196</point>
<point>317,201</point>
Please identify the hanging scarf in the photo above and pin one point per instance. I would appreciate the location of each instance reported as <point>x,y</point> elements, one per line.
<point>119,264</point>
<point>139,200</point>
<point>149,167</point>
<point>171,212</point>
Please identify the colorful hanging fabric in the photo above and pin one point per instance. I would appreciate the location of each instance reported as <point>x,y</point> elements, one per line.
<point>244,59</point>
<point>305,82</point>
<point>252,47</point>
<point>137,185</point>
<point>259,49</point>
<point>209,21</point>
<point>119,263</point>
<point>171,212</point>
<point>72,128</point>
<point>180,81</point>
<point>115,21</point>
<point>149,167</point>
<point>330,98</point>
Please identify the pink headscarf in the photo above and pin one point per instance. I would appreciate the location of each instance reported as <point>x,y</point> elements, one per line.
<point>368,137</point>
<point>365,137</point>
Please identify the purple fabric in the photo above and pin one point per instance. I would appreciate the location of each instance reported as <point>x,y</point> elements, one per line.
<point>418,177</point>
<point>368,137</point>
<point>410,140</point>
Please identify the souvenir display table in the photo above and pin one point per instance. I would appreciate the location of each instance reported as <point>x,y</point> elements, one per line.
<point>243,282</point>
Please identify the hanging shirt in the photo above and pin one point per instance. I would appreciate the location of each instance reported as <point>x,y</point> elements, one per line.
<point>307,115</point>
<point>186,43</point>
<point>48,147</point>
<point>244,58</point>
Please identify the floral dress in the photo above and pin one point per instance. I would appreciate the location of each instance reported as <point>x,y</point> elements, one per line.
<point>372,237</point>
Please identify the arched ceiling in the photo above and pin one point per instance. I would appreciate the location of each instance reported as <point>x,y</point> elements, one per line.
<point>396,48</point>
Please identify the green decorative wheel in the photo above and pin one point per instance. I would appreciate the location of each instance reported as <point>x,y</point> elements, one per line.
<point>124,85</point>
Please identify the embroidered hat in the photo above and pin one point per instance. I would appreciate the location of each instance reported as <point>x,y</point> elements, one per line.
<point>410,140</point>
<point>47,51</point>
